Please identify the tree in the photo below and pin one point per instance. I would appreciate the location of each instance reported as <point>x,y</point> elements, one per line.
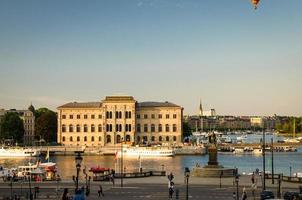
<point>186,130</point>
<point>12,127</point>
<point>46,125</point>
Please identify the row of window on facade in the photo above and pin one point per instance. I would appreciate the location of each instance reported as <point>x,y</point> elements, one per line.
<point>153,128</point>
<point>118,128</point>
<point>28,121</point>
<point>118,115</point>
<point>119,139</point>
<point>159,116</point>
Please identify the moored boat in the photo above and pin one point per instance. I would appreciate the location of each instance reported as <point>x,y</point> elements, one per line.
<point>18,152</point>
<point>148,152</point>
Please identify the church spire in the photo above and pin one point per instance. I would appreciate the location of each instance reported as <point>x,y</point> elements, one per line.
<point>200,109</point>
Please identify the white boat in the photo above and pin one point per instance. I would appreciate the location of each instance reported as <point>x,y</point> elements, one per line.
<point>148,152</point>
<point>18,152</point>
<point>238,151</point>
<point>257,151</point>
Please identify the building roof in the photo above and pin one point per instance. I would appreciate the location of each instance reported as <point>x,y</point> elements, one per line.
<point>81,105</point>
<point>156,104</point>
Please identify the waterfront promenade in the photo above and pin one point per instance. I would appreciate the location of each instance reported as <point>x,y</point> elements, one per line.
<point>150,188</point>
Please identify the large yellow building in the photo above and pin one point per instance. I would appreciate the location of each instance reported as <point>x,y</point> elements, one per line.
<point>119,118</point>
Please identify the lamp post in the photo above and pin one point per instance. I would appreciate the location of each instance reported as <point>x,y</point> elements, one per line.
<point>29,185</point>
<point>272,152</point>
<point>187,175</point>
<point>263,156</point>
<point>237,186</point>
<point>78,161</point>
<point>122,173</point>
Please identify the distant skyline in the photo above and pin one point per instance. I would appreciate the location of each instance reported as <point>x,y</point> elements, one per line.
<point>235,59</point>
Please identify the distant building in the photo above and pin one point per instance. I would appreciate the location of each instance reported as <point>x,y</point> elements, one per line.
<point>28,119</point>
<point>256,122</point>
<point>209,113</point>
<point>119,118</point>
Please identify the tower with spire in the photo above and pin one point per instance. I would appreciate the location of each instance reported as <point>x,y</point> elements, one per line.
<point>201,116</point>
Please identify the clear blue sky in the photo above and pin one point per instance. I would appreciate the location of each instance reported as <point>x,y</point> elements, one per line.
<point>239,61</point>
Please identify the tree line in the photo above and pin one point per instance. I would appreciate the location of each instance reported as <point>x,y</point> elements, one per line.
<point>289,125</point>
<point>12,126</point>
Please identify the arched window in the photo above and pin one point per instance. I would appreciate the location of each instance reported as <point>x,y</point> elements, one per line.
<point>160,138</point>
<point>152,138</point>
<point>100,138</point>
<point>63,128</point>
<point>92,139</point>
<point>78,138</point>
<point>70,139</point>
<point>100,128</point>
<point>63,139</point>
<point>127,138</point>
<point>126,127</point>
<point>167,138</point>
<point>167,128</point>
<point>108,139</point>
<point>78,128</point>
<point>160,128</point>
<point>118,139</point>
<point>120,127</point>
<point>85,128</point>
<point>174,138</point>
<point>138,139</point>
<point>120,115</point>
<point>85,139</point>
<point>110,115</point>
<point>145,128</point>
<point>138,128</point>
<point>152,128</point>
<point>174,128</point>
<point>70,128</point>
<point>92,128</point>
<point>145,138</point>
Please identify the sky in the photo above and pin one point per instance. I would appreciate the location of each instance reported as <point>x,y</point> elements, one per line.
<point>237,60</point>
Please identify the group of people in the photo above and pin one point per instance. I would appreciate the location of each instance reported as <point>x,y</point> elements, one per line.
<point>80,194</point>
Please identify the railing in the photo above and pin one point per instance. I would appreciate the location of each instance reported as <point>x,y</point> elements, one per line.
<point>291,179</point>
<point>130,175</point>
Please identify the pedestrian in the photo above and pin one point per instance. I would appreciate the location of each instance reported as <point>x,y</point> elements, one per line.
<point>100,191</point>
<point>244,196</point>
<point>79,195</point>
<point>234,195</point>
<point>171,191</point>
<point>65,195</point>
<point>253,178</point>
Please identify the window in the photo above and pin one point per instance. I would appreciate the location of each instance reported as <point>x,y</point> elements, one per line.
<point>116,127</point>
<point>63,128</point>
<point>63,116</point>
<point>120,115</point>
<point>145,127</point>
<point>128,127</point>
<point>92,139</point>
<point>129,114</point>
<point>167,116</point>
<point>138,128</point>
<point>152,138</point>
<point>160,138</point>
<point>127,138</point>
<point>138,139</point>
<point>152,116</point>
<point>92,128</point>
<point>92,116</point>
<point>78,128</point>
<point>174,138</point>
<point>145,138</point>
<point>167,128</point>
<point>70,116</point>
<point>85,128</point>
<point>85,116</point>
<point>120,128</point>
<point>110,115</point>
<point>78,139</point>
<point>167,138</point>
<point>160,128</point>
<point>138,116</point>
<point>116,115</point>
<point>70,128</point>
<point>109,127</point>
<point>174,116</point>
<point>70,139</point>
<point>174,128</point>
<point>108,139</point>
<point>78,116</point>
<point>100,128</point>
<point>85,139</point>
<point>145,116</point>
<point>100,138</point>
<point>160,116</point>
<point>152,128</point>
<point>63,139</point>
<point>100,116</point>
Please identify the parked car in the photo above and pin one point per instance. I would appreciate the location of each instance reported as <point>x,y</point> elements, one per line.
<point>290,195</point>
<point>267,194</point>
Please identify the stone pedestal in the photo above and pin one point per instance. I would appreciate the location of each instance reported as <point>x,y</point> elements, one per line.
<point>212,156</point>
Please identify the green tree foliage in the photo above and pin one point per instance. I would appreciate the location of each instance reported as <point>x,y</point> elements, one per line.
<point>12,127</point>
<point>186,130</point>
<point>46,125</point>
<point>288,125</point>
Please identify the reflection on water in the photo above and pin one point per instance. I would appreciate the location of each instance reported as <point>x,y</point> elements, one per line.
<point>245,163</point>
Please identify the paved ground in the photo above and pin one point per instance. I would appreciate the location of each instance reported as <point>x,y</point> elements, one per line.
<point>148,188</point>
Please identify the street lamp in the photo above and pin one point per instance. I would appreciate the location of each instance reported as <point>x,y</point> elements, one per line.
<point>122,173</point>
<point>237,186</point>
<point>187,175</point>
<point>78,161</point>
<point>263,156</point>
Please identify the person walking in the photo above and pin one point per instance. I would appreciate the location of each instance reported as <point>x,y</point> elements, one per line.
<point>100,191</point>
<point>171,190</point>
<point>65,195</point>
<point>234,195</point>
<point>253,178</point>
<point>244,196</point>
